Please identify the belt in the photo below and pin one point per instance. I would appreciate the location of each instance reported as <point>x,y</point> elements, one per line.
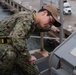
<point>5,41</point>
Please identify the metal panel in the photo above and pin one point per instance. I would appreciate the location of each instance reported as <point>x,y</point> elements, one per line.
<point>45,72</point>
<point>63,51</point>
<point>53,71</point>
<point>54,61</point>
<point>58,72</point>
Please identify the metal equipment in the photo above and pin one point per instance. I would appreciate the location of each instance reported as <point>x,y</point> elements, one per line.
<point>62,61</point>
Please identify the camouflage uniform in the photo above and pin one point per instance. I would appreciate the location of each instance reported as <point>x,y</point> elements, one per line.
<point>15,54</point>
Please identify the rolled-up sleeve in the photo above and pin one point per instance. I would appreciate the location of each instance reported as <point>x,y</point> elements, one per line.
<point>19,34</point>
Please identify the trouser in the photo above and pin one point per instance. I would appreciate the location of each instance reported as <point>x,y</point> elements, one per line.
<point>9,60</point>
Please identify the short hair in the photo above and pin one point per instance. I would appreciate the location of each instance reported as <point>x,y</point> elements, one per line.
<point>42,9</point>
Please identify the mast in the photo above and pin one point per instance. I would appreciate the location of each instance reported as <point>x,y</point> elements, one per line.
<point>61,20</point>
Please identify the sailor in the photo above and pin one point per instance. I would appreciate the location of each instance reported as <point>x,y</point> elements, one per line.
<point>14,32</point>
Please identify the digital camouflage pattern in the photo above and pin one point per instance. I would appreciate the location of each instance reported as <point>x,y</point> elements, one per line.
<point>15,55</point>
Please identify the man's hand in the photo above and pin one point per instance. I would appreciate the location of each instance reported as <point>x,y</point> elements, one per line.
<point>33,58</point>
<point>54,29</point>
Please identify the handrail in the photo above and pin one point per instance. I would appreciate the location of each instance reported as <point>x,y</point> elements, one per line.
<point>46,37</point>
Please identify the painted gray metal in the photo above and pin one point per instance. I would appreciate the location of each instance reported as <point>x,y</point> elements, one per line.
<point>65,48</point>
<point>60,61</point>
<point>67,60</point>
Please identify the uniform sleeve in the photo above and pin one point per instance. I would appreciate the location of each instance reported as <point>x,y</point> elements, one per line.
<point>19,34</point>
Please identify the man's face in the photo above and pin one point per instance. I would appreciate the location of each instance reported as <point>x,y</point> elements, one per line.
<point>45,20</point>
